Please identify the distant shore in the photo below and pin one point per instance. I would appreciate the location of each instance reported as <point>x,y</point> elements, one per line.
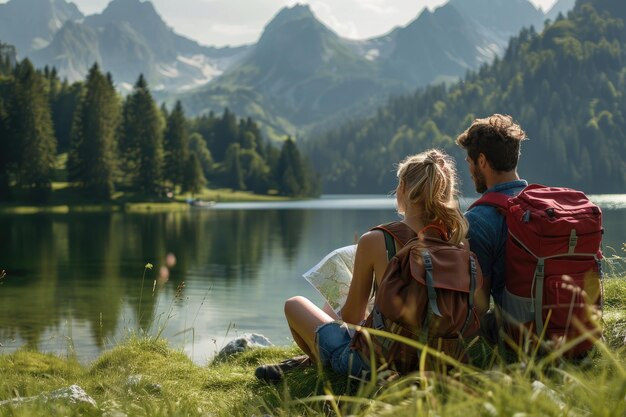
<point>65,199</point>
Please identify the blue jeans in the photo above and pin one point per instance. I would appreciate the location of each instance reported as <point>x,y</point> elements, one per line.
<point>333,341</point>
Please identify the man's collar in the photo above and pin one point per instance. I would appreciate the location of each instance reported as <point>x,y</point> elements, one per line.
<point>507,186</point>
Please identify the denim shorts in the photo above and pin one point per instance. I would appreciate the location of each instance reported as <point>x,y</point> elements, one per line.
<point>333,340</point>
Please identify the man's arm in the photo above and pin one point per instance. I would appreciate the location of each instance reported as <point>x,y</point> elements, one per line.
<point>481,239</point>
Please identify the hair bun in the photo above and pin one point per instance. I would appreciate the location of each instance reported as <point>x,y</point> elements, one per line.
<point>435,158</point>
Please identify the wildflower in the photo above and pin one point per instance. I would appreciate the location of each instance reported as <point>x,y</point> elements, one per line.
<point>170,260</point>
<point>164,273</point>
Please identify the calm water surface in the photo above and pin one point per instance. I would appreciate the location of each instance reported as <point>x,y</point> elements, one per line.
<point>74,283</point>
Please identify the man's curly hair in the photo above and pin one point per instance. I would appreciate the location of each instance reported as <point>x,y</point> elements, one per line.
<point>498,137</point>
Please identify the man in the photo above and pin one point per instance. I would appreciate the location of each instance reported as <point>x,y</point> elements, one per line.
<point>493,148</point>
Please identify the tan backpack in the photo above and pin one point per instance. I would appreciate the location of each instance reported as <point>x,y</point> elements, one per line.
<point>426,294</point>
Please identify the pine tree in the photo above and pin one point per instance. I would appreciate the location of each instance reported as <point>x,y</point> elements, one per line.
<point>234,175</point>
<point>32,132</point>
<point>6,152</point>
<point>92,160</point>
<point>142,139</point>
<point>197,146</point>
<point>256,171</point>
<point>226,132</point>
<point>193,179</point>
<point>164,111</point>
<point>176,146</point>
<point>205,126</point>
<point>64,102</point>
<point>290,173</point>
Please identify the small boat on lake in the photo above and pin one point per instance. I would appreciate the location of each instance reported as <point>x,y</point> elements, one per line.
<point>201,203</point>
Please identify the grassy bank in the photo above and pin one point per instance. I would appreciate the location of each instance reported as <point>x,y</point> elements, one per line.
<point>65,199</point>
<point>171,384</point>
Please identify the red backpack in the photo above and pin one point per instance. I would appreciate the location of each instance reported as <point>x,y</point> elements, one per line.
<point>553,265</point>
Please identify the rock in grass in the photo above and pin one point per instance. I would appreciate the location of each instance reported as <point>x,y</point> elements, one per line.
<point>135,382</point>
<point>541,390</point>
<point>114,413</point>
<point>242,343</point>
<point>73,395</point>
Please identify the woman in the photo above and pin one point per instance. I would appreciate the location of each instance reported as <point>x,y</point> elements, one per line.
<point>426,196</point>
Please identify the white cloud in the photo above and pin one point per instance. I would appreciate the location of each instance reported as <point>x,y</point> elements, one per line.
<point>378,6</point>
<point>233,30</point>
<point>544,5</point>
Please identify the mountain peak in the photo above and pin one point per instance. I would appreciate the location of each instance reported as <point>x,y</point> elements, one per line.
<point>290,14</point>
<point>138,12</point>
<point>292,26</point>
<point>296,11</point>
<point>44,17</point>
<point>130,6</point>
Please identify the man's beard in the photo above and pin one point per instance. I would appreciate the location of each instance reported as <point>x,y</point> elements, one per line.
<point>479,181</point>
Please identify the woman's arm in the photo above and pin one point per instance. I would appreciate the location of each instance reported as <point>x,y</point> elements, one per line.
<point>368,250</point>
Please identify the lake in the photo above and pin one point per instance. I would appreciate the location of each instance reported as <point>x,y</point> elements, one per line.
<point>74,283</point>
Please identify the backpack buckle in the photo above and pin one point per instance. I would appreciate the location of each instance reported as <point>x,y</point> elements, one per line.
<point>379,321</point>
<point>573,240</point>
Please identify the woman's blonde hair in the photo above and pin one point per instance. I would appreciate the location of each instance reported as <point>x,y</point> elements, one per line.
<point>430,181</point>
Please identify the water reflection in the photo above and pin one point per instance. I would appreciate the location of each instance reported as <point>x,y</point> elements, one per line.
<point>87,266</point>
<point>76,279</point>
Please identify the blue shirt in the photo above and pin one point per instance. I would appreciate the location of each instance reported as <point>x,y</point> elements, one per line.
<point>487,237</point>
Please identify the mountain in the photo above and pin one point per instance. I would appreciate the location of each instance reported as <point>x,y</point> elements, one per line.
<point>301,76</point>
<point>31,24</point>
<point>70,51</point>
<point>566,86</point>
<point>148,25</point>
<point>443,44</point>
<point>299,73</point>
<point>128,38</point>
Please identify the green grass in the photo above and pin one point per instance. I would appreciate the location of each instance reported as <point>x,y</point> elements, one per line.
<point>228,195</point>
<point>172,385</point>
<point>227,388</point>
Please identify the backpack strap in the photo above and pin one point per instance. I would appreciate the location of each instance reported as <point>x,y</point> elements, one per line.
<point>395,232</point>
<point>493,199</point>
<point>390,245</point>
<point>430,283</point>
<point>470,306</point>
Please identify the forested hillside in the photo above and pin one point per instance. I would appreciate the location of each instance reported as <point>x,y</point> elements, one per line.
<point>87,135</point>
<point>566,86</point>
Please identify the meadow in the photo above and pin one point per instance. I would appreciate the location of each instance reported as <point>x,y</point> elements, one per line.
<point>143,376</point>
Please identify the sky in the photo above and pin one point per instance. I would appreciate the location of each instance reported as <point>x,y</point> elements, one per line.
<point>236,22</point>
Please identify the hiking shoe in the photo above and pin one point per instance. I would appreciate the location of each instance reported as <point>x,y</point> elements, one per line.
<point>274,373</point>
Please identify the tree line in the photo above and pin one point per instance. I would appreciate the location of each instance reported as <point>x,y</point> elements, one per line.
<point>129,143</point>
<point>566,86</point>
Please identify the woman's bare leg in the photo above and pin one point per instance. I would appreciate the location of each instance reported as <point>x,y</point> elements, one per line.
<point>329,310</point>
<point>304,318</point>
